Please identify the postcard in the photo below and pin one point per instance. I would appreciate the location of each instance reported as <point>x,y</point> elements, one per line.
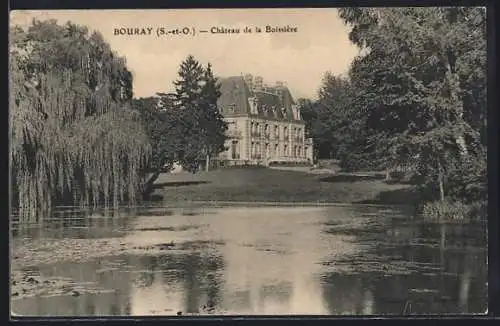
<point>327,161</point>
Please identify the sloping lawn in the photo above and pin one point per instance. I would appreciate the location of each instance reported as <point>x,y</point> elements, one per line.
<point>270,185</point>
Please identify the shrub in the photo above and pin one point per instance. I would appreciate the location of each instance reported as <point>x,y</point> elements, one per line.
<point>449,210</point>
<point>289,164</point>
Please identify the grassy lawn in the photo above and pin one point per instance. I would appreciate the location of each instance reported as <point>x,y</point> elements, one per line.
<point>272,185</point>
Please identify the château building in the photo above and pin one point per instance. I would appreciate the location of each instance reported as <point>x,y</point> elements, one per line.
<point>264,123</point>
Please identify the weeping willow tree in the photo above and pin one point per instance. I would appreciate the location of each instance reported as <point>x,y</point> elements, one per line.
<point>73,133</point>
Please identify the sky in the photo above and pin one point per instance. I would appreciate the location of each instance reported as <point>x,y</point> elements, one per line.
<point>300,58</point>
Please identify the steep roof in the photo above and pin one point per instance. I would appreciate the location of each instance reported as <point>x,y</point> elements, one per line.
<point>234,101</point>
<point>235,94</point>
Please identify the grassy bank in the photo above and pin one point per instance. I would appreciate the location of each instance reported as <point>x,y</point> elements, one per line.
<point>275,185</point>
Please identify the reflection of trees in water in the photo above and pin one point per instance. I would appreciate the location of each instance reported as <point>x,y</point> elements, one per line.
<point>473,277</point>
<point>89,306</point>
<point>147,277</point>
<point>346,293</point>
<point>213,291</point>
<point>115,308</point>
<point>445,265</point>
<point>456,270</point>
<point>198,272</point>
<point>192,279</point>
<point>74,222</point>
<point>201,278</point>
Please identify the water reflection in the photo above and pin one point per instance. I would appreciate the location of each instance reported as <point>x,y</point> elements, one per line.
<point>310,260</point>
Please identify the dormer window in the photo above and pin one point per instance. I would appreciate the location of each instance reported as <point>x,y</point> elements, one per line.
<point>253,105</point>
<point>296,112</point>
<point>232,108</point>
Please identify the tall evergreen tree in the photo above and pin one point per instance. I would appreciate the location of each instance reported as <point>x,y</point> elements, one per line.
<point>185,126</point>
<point>188,101</point>
<point>213,126</point>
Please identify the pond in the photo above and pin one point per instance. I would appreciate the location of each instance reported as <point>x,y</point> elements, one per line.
<point>237,260</point>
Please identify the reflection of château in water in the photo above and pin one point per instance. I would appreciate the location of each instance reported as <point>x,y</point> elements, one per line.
<point>265,124</point>
<point>270,278</point>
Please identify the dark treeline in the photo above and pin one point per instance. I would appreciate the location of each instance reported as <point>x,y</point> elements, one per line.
<point>77,134</point>
<point>415,96</point>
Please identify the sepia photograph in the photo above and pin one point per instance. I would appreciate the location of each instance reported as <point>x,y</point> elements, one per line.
<point>248,162</point>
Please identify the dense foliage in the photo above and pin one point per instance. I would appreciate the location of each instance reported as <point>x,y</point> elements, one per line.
<point>185,126</point>
<point>416,93</point>
<point>73,133</point>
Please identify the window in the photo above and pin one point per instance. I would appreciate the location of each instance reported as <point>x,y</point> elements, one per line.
<point>256,131</point>
<point>122,93</point>
<point>285,150</point>
<point>234,150</point>
<point>276,151</point>
<point>253,105</point>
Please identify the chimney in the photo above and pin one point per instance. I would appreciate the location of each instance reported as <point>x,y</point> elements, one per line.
<point>249,80</point>
<point>258,81</point>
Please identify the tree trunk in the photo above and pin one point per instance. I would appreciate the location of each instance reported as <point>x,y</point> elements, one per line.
<point>388,171</point>
<point>440,182</point>
<point>452,80</point>
<point>148,185</point>
<point>441,189</point>
<point>207,163</point>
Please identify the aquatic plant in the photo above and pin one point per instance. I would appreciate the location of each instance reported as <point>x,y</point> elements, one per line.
<point>449,210</point>
<point>72,131</point>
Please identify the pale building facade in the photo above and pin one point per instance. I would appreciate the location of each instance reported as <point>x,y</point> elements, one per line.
<point>264,124</point>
